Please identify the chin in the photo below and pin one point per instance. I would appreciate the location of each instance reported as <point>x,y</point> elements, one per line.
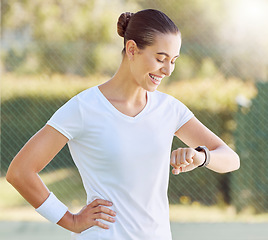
<point>150,86</point>
<point>151,89</point>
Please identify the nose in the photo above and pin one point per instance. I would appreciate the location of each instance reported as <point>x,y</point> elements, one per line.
<point>167,69</point>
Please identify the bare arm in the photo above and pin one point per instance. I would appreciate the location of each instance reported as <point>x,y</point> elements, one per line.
<point>32,158</point>
<point>194,133</point>
<point>23,175</point>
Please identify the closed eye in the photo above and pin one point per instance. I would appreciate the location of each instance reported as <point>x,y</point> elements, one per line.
<point>158,60</point>
<point>162,61</point>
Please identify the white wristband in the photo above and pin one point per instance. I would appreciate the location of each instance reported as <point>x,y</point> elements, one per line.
<point>52,209</point>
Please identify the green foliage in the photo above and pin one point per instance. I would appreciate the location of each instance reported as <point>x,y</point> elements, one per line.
<point>21,118</point>
<point>45,86</point>
<point>186,68</point>
<point>73,58</point>
<point>250,185</point>
<point>60,20</point>
<point>14,59</point>
<point>64,36</point>
<point>216,94</point>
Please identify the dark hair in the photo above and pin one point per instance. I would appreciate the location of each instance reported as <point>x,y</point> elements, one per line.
<point>143,26</point>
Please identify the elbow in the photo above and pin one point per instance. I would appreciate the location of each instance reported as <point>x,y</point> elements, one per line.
<point>19,174</point>
<point>235,164</point>
<point>13,175</point>
<point>232,164</point>
<point>237,161</point>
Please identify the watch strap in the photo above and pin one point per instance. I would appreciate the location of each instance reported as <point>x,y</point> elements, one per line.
<point>207,155</point>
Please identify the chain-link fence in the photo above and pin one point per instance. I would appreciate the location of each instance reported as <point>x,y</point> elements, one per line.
<point>52,50</point>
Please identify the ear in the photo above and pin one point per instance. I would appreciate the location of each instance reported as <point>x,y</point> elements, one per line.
<point>131,49</point>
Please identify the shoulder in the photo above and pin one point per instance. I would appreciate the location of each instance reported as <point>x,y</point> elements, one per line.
<point>87,97</point>
<point>87,94</point>
<point>79,101</point>
<point>164,98</point>
<point>169,103</point>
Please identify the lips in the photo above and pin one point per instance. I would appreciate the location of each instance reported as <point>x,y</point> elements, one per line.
<point>155,79</point>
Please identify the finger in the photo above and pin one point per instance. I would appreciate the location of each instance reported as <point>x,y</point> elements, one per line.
<point>103,202</point>
<point>185,163</point>
<point>104,216</point>
<point>173,158</point>
<point>189,156</point>
<point>102,209</point>
<point>100,224</point>
<point>182,160</point>
<point>178,157</point>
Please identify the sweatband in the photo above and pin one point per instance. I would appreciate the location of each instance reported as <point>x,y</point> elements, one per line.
<point>52,209</point>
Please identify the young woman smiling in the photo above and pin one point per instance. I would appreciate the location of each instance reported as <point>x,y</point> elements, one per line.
<point>120,135</point>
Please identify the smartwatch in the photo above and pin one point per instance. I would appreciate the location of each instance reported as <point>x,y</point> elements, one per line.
<point>207,155</point>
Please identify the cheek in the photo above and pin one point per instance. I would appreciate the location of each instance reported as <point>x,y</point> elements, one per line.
<point>145,65</point>
<point>151,65</point>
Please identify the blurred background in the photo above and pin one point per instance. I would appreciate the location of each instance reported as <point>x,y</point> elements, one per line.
<point>52,50</point>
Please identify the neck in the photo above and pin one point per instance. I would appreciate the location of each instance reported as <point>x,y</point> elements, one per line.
<point>123,87</point>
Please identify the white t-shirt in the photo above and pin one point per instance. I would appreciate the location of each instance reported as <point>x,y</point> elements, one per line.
<point>124,159</point>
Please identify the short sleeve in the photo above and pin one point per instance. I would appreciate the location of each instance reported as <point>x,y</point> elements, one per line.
<point>68,119</point>
<point>183,114</point>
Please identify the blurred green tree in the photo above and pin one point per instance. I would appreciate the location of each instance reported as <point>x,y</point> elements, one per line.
<point>66,36</point>
<point>54,20</point>
<point>250,185</point>
<point>75,32</point>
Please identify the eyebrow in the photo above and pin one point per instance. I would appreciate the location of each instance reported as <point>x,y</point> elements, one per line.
<point>165,54</point>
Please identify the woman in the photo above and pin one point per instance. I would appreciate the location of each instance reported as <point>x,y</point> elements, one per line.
<point>120,135</point>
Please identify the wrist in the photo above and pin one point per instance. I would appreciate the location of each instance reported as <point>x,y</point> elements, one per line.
<point>52,209</point>
<point>68,222</point>
<point>202,158</point>
<point>206,152</point>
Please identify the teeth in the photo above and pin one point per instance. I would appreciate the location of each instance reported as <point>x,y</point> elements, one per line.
<point>155,78</point>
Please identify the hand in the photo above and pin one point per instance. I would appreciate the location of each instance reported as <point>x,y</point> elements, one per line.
<point>185,159</point>
<point>88,216</point>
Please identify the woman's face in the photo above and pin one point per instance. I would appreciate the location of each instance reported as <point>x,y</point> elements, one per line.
<point>150,65</point>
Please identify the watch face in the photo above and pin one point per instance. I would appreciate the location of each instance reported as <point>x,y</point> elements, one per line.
<point>199,149</point>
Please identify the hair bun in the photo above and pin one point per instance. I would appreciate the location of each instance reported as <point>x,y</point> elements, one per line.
<point>122,23</point>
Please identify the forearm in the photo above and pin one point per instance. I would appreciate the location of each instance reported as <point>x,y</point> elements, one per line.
<point>29,185</point>
<point>32,188</point>
<point>23,171</point>
<point>223,159</point>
